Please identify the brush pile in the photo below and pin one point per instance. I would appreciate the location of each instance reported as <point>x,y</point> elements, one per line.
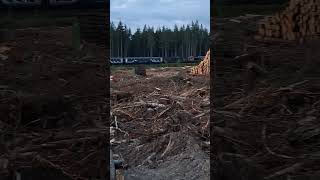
<point>275,131</point>
<point>271,132</point>
<point>159,121</point>
<point>53,108</point>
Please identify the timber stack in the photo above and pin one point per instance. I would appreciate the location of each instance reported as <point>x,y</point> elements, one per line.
<point>204,67</point>
<point>299,20</point>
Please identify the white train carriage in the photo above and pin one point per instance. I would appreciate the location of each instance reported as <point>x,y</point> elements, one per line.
<point>62,2</point>
<point>156,59</point>
<point>21,2</point>
<point>143,60</point>
<point>116,60</point>
<point>136,60</point>
<point>132,60</point>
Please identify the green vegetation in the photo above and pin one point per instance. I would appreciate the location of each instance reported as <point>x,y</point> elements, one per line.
<point>238,10</point>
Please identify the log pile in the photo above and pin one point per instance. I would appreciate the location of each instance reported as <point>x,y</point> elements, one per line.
<point>297,21</point>
<point>204,67</point>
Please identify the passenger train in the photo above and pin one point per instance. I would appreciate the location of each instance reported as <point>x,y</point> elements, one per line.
<point>151,60</point>
<point>136,60</point>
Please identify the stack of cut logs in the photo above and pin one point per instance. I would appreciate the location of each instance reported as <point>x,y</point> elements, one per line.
<point>204,67</point>
<point>299,20</point>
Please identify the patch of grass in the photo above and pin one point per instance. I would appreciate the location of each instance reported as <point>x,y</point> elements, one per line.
<point>238,10</point>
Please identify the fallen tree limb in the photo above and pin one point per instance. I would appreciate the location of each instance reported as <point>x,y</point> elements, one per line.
<point>287,170</point>
<point>264,129</point>
<point>291,86</point>
<point>47,163</point>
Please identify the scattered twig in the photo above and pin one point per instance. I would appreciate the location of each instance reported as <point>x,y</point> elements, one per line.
<point>264,129</point>
<point>201,114</point>
<point>125,113</point>
<point>169,146</point>
<point>85,159</point>
<point>291,86</point>
<point>237,103</point>
<point>150,104</point>
<point>45,162</point>
<point>287,170</point>
<point>117,127</point>
<point>287,109</point>
<point>163,112</point>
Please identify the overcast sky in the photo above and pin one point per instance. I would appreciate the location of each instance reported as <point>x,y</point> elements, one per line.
<point>137,13</point>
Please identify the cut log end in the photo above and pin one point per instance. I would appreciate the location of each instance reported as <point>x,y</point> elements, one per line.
<point>204,67</point>
<point>298,21</point>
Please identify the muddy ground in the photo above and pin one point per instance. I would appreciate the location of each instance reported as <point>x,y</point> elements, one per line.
<point>160,123</point>
<point>266,120</point>
<point>53,106</point>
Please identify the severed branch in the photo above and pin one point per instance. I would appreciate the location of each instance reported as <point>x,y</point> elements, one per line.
<point>291,86</point>
<point>117,127</point>
<point>47,163</point>
<point>169,146</point>
<point>287,170</point>
<point>264,129</point>
<point>163,112</point>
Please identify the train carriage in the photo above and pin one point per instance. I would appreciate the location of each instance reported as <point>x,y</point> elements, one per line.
<point>152,60</point>
<point>156,60</point>
<point>143,60</point>
<point>21,3</point>
<point>116,60</point>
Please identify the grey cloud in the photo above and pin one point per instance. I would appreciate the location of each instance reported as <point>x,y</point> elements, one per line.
<point>136,13</point>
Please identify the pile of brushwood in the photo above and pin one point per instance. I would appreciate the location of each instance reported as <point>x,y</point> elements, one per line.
<point>53,107</point>
<point>160,123</point>
<point>270,130</point>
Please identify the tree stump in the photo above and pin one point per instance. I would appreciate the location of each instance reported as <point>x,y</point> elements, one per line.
<point>140,70</point>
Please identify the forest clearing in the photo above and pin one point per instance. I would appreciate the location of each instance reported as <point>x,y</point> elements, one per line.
<point>58,117</point>
<point>160,123</point>
<point>54,109</point>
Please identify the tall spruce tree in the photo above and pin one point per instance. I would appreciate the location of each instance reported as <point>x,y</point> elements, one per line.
<point>188,40</point>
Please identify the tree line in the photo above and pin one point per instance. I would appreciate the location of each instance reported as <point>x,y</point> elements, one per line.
<point>179,42</point>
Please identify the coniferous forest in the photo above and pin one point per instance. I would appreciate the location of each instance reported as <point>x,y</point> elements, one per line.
<point>179,42</point>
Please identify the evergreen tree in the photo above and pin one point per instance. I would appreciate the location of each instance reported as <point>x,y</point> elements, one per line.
<point>188,40</point>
